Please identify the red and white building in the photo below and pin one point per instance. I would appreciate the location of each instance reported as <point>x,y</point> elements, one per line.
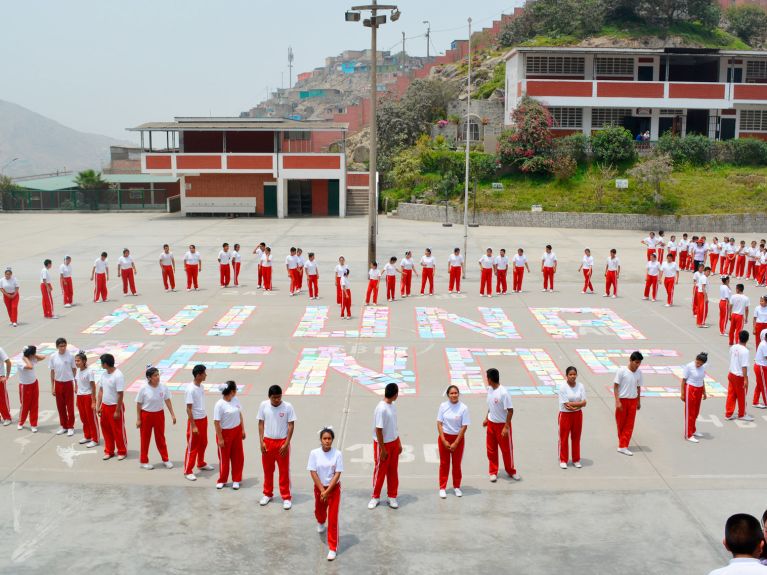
<point>721,94</point>
<point>270,167</point>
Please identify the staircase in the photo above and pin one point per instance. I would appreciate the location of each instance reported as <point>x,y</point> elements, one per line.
<point>356,202</point>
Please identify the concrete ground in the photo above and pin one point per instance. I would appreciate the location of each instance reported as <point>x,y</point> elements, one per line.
<point>662,511</point>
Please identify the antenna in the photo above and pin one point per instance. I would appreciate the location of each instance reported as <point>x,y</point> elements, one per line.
<point>290,66</point>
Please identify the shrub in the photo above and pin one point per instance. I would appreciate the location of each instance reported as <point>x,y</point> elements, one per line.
<point>537,165</point>
<point>695,150</point>
<point>564,168</point>
<point>576,146</point>
<point>741,152</point>
<point>613,145</point>
<point>529,138</point>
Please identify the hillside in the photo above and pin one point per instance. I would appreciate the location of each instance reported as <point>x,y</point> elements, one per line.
<point>43,145</point>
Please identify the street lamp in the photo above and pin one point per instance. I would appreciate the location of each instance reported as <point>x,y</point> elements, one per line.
<point>373,23</point>
<point>428,37</point>
<point>8,163</point>
<point>466,182</point>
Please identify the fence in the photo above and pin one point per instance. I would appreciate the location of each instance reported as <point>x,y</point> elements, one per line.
<point>83,200</point>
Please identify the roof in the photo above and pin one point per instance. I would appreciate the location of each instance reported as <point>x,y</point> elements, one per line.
<point>240,124</point>
<point>636,51</point>
<point>68,182</point>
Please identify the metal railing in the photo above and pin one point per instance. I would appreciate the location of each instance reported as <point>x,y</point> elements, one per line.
<point>83,200</point>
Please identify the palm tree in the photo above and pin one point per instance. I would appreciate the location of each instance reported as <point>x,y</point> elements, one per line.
<point>90,181</point>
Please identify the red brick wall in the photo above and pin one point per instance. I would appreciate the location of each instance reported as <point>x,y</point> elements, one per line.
<point>319,197</point>
<point>229,186</point>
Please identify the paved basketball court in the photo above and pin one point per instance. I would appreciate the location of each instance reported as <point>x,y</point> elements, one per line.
<point>662,511</point>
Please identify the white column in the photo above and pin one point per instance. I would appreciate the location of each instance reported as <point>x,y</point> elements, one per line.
<point>654,124</point>
<point>182,193</point>
<point>282,197</point>
<point>342,188</point>
<point>587,121</point>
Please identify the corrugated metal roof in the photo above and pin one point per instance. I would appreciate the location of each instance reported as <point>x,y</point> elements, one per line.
<point>254,124</point>
<point>636,51</point>
<point>68,182</point>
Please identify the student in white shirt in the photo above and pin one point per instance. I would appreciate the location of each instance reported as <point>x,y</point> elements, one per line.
<point>346,296</point>
<point>670,272</point>
<point>737,380</point>
<point>693,391</point>
<point>548,268</point>
<point>9,286</point>
<point>699,251</point>
<point>738,312</point>
<point>386,448</point>
<point>65,279</point>
<point>192,267</point>
<point>760,373</point>
<point>29,388</point>
<point>197,424</point>
<point>46,287</point>
<point>266,268</point>
<point>407,269</point>
<point>650,242</point>
<point>725,294</point>
<point>499,435</point>
<point>428,267</point>
<point>312,276</point>
<point>452,423</point>
<point>300,269</point>
<point>672,248</point>
<point>519,262</point>
<point>752,253</point>
<point>695,277</point>
<point>740,260</point>
<point>62,367</point>
<point>230,433</point>
<point>651,280</point>
<point>627,389</point>
<point>340,271</point>
<point>100,274</point>
<point>236,263</point>
<point>151,401</point>
<point>760,318</point>
<point>682,247</point>
<point>486,267</point>
<point>730,257</point>
<point>501,272</point>
<point>572,400</point>
<point>374,277</point>
<point>455,265</point>
<point>291,265</point>
<point>391,271</point>
<point>126,269</point>
<point>276,423</point>
<point>258,252</point>
<point>5,402</point>
<point>714,249</point>
<point>86,401</point>
<point>702,298</point>
<point>168,268</point>
<point>613,272</point>
<point>660,244</point>
<point>743,537</point>
<point>110,408</point>
<point>587,265</point>
<point>325,466</point>
<point>224,259</point>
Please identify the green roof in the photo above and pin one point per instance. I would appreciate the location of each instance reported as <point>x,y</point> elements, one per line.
<point>54,183</point>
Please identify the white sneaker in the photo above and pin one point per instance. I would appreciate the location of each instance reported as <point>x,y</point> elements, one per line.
<point>321,528</point>
<point>190,477</point>
<point>15,324</point>
<point>577,465</point>
<point>442,494</point>
<point>168,464</point>
<point>83,441</point>
<point>92,444</point>
<point>760,406</point>
<point>373,503</point>
<point>206,468</point>
<point>331,555</point>
<point>19,427</point>
<point>121,457</point>
<point>219,485</point>
<point>666,305</point>
<point>61,431</point>
<point>697,434</point>
<point>264,500</point>
<point>605,295</point>
<point>287,504</point>
<point>653,299</point>
<point>7,422</point>
<point>458,492</point>
<point>493,478</point>
<point>393,503</point>
<point>70,432</point>
<point>167,290</point>
<point>645,298</point>
<point>34,429</point>
<point>562,465</point>
<point>147,466</point>
<point>516,477</point>
<point>746,417</point>
<point>693,439</point>
<point>67,305</point>
<point>235,485</point>
<point>624,451</point>
<point>107,457</point>
<point>613,296</point>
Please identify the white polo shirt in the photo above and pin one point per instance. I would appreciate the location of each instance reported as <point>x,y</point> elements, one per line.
<point>760,358</point>
<point>739,303</point>
<point>650,242</point>
<point>694,375</point>
<point>455,261</point>
<point>62,365</point>
<point>65,271</point>
<point>613,264</point>
<point>84,378</point>
<point>407,264</point>
<point>227,413</point>
<point>453,416</point>
<point>166,259</point>
<point>653,269</point>
<point>498,404</point>
<point>501,262</point>
<point>549,259</point>
<point>100,265</point>
<point>738,359</point>
<point>741,566</point>
<point>374,274</point>
<point>125,262</point>
<point>569,394</point>
<point>760,314</point>
<point>291,262</point>
<point>669,269</point>
<point>311,267</point>
<point>192,258</point>
<point>224,258</point>
<point>587,262</point>
<point>385,418</point>
<point>671,246</point>
<point>715,247</point>
<point>276,419</point>
<point>236,257</point>
<point>341,270</point>
<point>27,376</point>
<point>152,399</point>
<point>266,261</point>
<point>700,252</point>
<point>194,395</point>
<point>725,292</point>
<point>428,262</point>
<point>702,282</point>
<point>390,270</point>
<point>345,284</point>
<point>111,384</point>
<point>486,262</point>
<point>325,464</point>
<point>628,382</point>
<point>45,276</point>
<point>520,260</point>
<point>9,285</point>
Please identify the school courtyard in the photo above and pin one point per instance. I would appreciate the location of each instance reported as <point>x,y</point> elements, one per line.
<point>662,511</point>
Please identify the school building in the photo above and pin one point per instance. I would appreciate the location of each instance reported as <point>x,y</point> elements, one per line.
<point>721,94</point>
<point>253,166</point>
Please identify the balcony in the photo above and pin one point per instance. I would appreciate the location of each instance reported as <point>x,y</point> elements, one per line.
<point>291,165</point>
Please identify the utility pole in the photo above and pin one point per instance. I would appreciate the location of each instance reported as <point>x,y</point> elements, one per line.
<point>428,38</point>
<point>290,66</point>
<point>403,50</point>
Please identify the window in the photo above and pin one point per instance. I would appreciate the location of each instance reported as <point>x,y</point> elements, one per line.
<point>567,117</point>
<point>473,131</point>
<point>297,136</point>
<point>756,70</point>
<point>614,67</point>
<point>601,117</point>
<point>555,65</point>
<point>671,112</point>
<point>753,120</point>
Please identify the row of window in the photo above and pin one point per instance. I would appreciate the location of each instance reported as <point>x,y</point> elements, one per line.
<point>753,120</point>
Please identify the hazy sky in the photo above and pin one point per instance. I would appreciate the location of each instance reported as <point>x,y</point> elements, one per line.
<point>101,65</point>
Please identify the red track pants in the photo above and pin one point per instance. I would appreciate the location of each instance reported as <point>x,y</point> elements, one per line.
<point>651,285</point>
<point>328,511</point>
<point>570,427</point>
<point>386,469</point>
<point>587,286</point>
<point>346,303</point>
<point>65,403</point>
<point>713,259</point>
<point>650,252</point>
<point>694,300</point>
<point>67,291</point>
<point>758,329</point>
<point>673,255</point>
<point>224,274</point>
<point>294,283</point>
<point>736,325</point>
<point>100,290</point>
<point>113,430</point>
<point>516,279</point>
<point>669,284</point>
<point>750,269</point>
<point>269,460</point>
<point>736,394</point>
<point>260,276</point>
<point>339,291</point>
<point>740,266</point>
<point>693,397</point>
<point>611,280</point>
<point>5,402</point>
<point>702,311</point>
<point>153,422</point>
<point>405,282</point>
<point>455,278</point>
<point>548,278</point>
<point>192,271</point>
<point>87,413</point>
<point>682,260</point>
<point>232,453</point>
<point>493,442</point>
<point>446,457</point>
<point>267,278</point>
<point>624,419</point>
<point>12,305</point>
<point>500,281</point>
<point>760,386</point>
<point>391,287</point>
<point>372,290</point>
<point>313,283</point>
<point>486,281</point>
<point>196,443</point>
<point>29,397</point>
<point>47,300</point>
<point>236,272</point>
<point>427,276</point>
<point>722,315</point>
<point>168,277</point>
<point>128,281</point>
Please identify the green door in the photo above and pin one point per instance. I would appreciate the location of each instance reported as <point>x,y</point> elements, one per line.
<point>333,198</point>
<point>270,200</point>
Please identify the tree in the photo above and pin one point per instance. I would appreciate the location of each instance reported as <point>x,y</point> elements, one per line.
<point>91,182</point>
<point>666,13</point>
<point>529,144</point>
<point>7,187</point>
<point>577,18</point>
<point>653,171</point>
<point>613,145</point>
<point>747,22</point>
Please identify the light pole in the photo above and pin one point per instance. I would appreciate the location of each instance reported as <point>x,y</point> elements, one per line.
<point>373,23</point>
<point>428,37</point>
<point>8,163</point>
<point>466,182</point>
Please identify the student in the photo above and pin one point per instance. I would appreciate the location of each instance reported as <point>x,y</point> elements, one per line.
<point>224,259</point>
<point>428,265</point>
<point>111,409</point>
<point>725,295</point>
<point>9,285</point>
<point>151,401</point>
<point>452,423</point>
<point>236,263</point>
<point>660,245</point>
<point>760,319</point>
<point>730,257</point>
<point>300,269</point>
<point>126,269</point>
<point>714,249</point>
<point>291,265</point>
<point>695,276</point>
<point>29,389</point>
<point>627,389</point>
<point>693,391</point>
<point>761,278</point>
<point>738,312</point>
<point>312,276</point>
<point>386,448</point>
<point>501,272</point>
<point>391,271</point>
<point>230,433</point>
<point>760,373</point>
<point>672,248</point>
<point>276,423</point>
<point>455,265</point>
<point>340,271</point>
<point>723,247</point>
<point>46,287</point>
<point>743,537</point>
<point>518,273</point>
<point>587,265</point>
<point>613,273</point>
<point>258,252</point>
<point>651,279</point>
<point>197,424</point>
<point>572,400</point>
<point>65,280</point>
<point>752,254</point>
<point>266,268</point>
<point>548,268</point>
<point>651,243</point>
<point>699,251</point>
<point>682,247</point>
<point>740,260</point>
<point>737,380</point>
<point>100,274</point>
<point>5,402</point>
<point>486,265</point>
<point>670,272</point>
<point>500,410</point>
<point>702,295</point>
<point>346,296</point>
<point>691,265</point>
<point>407,269</point>
<point>86,401</point>
<point>325,466</point>
<point>374,277</point>
<point>62,367</point>
<point>192,267</point>
<point>168,268</point>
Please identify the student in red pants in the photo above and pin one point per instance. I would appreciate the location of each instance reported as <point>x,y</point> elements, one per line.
<point>111,409</point>
<point>587,265</point>
<point>486,267</point>
<point>236,263</point>
<point>660,245</point>
<point>62,367</point>
<point>9,286</point>
<point>258,252</point>
<point>498,423</point>
<point>695,277</point>
<point>572,400</point>
<point>760,319</point>
<point>224,261</point>
<point>374,277</point>
<point>346,296</point>
<point>501,272</point>
<point>65,280</point>
<point>452,423</point>
<point>326,464</point>
<point>46,287</point>
<point>29,388</point>
<point>548,268</point>
<point>613,273</point>
<point>197,424</point>
<point>519,263</point>
<point>760,373</point>
<point>455,265</point>
<point>714,249</point>
<point>672,248</point>
<point>390,273</point>
<point>192,267</point>
<point>386,448</point>
<point>682,248</point>
<point>100,274</point>
<point>752,254</point>
<point>737,380</point>
<point>300,269</point>
<point>702,298</point>
<point>627,389</point>
<point>276,423</point>
<point>407,269</point>
<point>651,243</point>
<point>151,401</point>
<point>738,312</point>
<point>230,433</point>
<point>428,266</point>
<point>725,294</point>
<point>670,273</point>
<point>340,272</point>
<point>693,392</point>
<point>126,269</point>
<point>740,260</point>
<point>266,268</point>
<point>5,402</point>
<point>312,276</point>
<point>291,265</point>
<point>168,268</point>
<point>86,401</point>
<point>651,280</point>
